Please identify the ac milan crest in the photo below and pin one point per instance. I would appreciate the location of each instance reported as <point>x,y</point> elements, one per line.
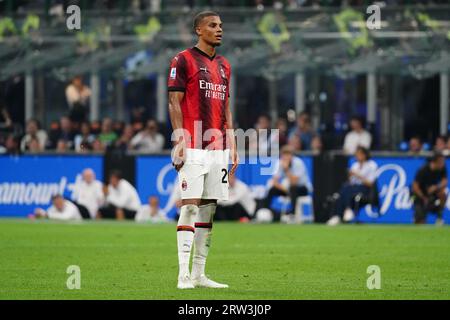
<point>184,185</point>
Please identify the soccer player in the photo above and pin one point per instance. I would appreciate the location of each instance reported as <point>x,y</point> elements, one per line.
<point>200,114</point>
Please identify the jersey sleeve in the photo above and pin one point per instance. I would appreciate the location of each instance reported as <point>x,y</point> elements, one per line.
<point>177,74</point>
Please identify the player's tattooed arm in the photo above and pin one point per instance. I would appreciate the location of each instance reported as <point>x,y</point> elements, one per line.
<point>231,139</point>
<point>176,119</point>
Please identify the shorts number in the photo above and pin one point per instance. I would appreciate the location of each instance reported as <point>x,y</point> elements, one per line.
<point>224,178</point>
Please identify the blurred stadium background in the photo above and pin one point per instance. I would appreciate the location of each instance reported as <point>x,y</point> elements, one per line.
<point>288,57</point>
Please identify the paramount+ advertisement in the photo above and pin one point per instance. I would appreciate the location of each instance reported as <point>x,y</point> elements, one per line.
<point>28,182</point>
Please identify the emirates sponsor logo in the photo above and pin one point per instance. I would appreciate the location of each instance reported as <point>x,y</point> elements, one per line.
<point>213,90</point>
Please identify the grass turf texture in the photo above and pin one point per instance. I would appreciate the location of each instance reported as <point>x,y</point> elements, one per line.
<point>130,261</point>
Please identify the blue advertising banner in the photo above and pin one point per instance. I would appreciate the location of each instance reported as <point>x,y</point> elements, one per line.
<point>395,178</point>
<point>156,176</point>
<point>28,182</point>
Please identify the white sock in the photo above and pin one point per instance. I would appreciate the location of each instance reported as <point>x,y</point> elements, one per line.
<point>202,238</point>
<point>185,236</point>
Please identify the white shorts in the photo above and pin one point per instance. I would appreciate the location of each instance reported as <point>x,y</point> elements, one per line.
<point>204,174</point>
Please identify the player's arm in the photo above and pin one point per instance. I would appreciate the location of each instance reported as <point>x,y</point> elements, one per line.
<point>293,179</point>
<point>230,138</point>
<point>176,119</point>
<point>418,191</point>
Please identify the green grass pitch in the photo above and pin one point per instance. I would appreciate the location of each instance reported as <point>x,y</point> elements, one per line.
<point>131,261</point>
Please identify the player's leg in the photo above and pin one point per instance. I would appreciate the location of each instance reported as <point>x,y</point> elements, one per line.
<point>191,181</point>
<point>215,187</point>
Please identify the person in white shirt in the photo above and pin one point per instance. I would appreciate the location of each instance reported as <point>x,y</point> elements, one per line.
<point>77,96</point>
<point>151,212</point>
<point>148,140</point>
<point>357,137</point>
<point>88,194</point>
<point>290,179</point>
<point>262,140</point>
<point>240,204</point>
<point>34,131</point>
<point>61,209</point>
<point>361,177</point>
<point>122,200</point>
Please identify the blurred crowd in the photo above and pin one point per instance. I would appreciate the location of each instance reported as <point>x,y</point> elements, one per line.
<point>144,135</point>
<point>74,133</point>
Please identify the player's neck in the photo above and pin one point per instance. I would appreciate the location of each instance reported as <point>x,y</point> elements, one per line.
<point>206,48</point>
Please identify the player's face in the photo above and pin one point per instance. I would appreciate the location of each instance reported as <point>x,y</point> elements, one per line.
<point>210,30</point>
<point>114,181</point>
<point>440,163</point>
<point>153,202</point>
<point>58,203</point>
<point>360,156</point>
<point>88,176</point>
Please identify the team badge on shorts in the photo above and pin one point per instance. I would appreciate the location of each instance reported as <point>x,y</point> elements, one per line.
<point>184,185</point>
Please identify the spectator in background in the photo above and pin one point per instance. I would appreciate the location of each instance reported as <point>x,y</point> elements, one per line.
<point>77,96</point>
<point>240,204</point>
<point>6,123</point>
<point>118,127</point>
<point>33,130</point>
<point>429,188</point>
<point>138,118</point>
<point>282,134</point>
<point>61,146</point>
<point>357,137</point>
<point>12,145</point>
<point>64,132</point>
<point>96,127</point>
<point>97,146</point>
<point>261,140</point>
<point>148,140</point>
<point>84,140</point>
<point>290,179</point>
<point>33,146</point>
<point>107,136</point>
<point>303,131</point>
<point>361,177</point>
<point>151,212</point>
<point>88,194</point>
<point>442,145</point>
<point>295,143</point>
<point>316,145</point>
<point>124,142</point>
<point>61,209</point>
<point>415,145</point>
<point>122,200</point>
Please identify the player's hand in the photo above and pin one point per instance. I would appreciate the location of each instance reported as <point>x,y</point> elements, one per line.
<point>39,213</point>
<point>432,189</point>
<point>284,164</point>
<point>234,160</point>
<point>179,155</point>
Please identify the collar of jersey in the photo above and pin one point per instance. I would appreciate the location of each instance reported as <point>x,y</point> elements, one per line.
<point>204,53</point>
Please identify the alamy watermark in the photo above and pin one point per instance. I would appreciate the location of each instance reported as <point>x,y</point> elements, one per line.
<point>262,145</point>
<point>374,280</point>
<point>374,20</point>
<point>74,280</point>
<point>73,21</point>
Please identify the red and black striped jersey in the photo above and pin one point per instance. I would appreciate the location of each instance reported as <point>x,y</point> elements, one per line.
<point>205,82</point>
